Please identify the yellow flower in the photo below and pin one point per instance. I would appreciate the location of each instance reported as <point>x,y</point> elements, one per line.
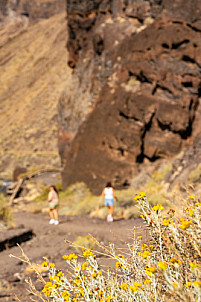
<point>137,284</point>
<point>81,291</point>
<point>193,265</point>
<point>141,195</point>
<point>118,264</point>
<point>175,284</point>
<point>84,265</point>
<point>70,257</point>
<point>162,265</point>
<point>77,281</point>
<point>176,262</point>
<point>100,293</point>
<point>99,273</point>
<point>47,291</point>
<point>65,295</point>
<point>135,287</point>
<point>146,254</point>
<point>120,256</point>
<point>185,223</point>
<point>198,204</point>
<point>55,278</point>
<point>44,264</point>
<point>151,247</point>
<point>187,284</point>
<point>197,283</point>
<point>147,281</point>
<point>60,274</point>
<point>144,246</point>
<point>157,208</point>
<point>48,284</point>
<point>191,213</point>
<point>124,286</point>
<point>51,265</point>
<point>94,275</point>
<point>150,270</point>
<point>166,222</point>
<point>192,197</point>
<point>87,253</point>
<point>108,299</point>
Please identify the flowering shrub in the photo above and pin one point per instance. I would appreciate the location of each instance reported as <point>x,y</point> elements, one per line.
<point>166,268</point>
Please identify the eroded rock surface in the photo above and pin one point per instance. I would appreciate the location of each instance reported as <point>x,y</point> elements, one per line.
<point>136,87</point>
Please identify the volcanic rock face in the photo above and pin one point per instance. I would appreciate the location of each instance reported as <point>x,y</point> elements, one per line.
<point>136,87</point>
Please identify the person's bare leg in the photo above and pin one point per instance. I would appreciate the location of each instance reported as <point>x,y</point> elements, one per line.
<point>111,210</point>
<point>55,212</point>
<point>51,214</point>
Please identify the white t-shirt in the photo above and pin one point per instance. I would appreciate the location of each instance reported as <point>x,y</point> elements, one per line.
<point>108,193</point>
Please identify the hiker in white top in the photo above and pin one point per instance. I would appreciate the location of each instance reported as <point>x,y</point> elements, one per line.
<point>109,194</point>
<point>53,205</point>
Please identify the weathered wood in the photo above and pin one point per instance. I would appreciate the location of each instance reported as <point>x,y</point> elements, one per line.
<point>16,190</point>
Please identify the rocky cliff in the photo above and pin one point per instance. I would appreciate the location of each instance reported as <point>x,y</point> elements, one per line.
<point>134,96</point>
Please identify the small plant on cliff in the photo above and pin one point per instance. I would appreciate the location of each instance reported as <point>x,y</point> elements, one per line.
<point>166,268</point>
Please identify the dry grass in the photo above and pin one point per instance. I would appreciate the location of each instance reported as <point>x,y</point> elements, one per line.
<point>33,74</point>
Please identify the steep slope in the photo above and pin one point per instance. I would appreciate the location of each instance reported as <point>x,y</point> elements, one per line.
<point>33,68</point>
<point>137,69</point>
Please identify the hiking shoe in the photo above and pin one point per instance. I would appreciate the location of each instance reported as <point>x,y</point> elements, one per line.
<point>51,221</point>
<point>109,217</point>
<point>56,222</point>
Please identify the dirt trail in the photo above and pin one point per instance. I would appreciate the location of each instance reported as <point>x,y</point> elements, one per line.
<point>49,241</point>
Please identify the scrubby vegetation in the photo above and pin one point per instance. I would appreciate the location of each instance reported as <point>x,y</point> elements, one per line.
<point>165,268</point>
<point>5,211</point>
<point>86,242</point>
<point>195,175</point>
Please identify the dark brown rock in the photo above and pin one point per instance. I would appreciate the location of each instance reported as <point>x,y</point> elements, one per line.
<point>17,172</point>
<point>139,65</point>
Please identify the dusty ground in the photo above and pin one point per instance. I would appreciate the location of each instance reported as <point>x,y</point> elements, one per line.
<point>49,241</point>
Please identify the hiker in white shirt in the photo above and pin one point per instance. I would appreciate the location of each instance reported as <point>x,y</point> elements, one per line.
<point>109,194</point>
